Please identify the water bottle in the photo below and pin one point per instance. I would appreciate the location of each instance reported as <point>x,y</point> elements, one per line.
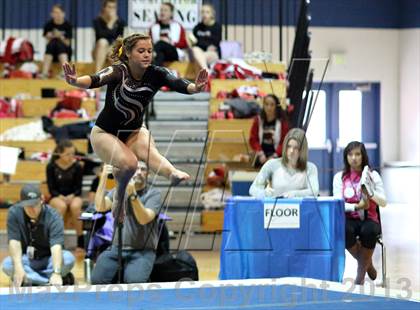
<point>88,265</point>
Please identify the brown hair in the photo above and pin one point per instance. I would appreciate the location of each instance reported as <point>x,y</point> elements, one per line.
<point>127,45</point>
<point>58,6</point>
<point>60,147</point>
<point>105,2</point>
<point>350,147</point>
<point>280,113</point>
<point>170,5</point>
<point>212,9</point>
<point>299,136</point>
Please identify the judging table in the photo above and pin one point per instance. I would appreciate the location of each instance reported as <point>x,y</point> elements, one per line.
<point>283,238</point>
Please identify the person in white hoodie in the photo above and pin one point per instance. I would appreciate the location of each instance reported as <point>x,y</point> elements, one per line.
<point>168,37</point>
<point>363,191</point>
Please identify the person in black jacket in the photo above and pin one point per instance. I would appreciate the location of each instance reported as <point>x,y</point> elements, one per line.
<point>108,27</point>
<point>64,179</point>
<point>206,38</point>
<point>58,33</point>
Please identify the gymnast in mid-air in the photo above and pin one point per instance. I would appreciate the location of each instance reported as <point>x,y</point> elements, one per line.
<point>119,137</point>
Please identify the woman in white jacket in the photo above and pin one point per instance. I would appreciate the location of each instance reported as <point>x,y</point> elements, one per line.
<point>168,37</point>
<point>292,175</point>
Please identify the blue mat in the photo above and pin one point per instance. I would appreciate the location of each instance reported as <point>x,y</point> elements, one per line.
<point>204,297</point>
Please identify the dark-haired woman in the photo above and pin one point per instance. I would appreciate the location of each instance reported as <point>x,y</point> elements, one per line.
<point>268,131</point>
<point>362,223</point>
<point>64,179</point>
<point>118,137</point>
<point>58,33</point>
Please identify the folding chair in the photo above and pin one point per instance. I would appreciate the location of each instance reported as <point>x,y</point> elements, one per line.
<point>383,249</point>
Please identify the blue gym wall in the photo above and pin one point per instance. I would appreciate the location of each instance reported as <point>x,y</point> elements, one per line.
<point>26,14</point>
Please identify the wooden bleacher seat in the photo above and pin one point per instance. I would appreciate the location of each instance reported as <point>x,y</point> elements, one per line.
<point>7,123</point>
<point>82,68</point>
<point>48,145</point>
<point>228,138</point>
<point>3,219</point>
<point>31,147</point>
<point>11,87</point>
<point>276,86</point>
<point>40,107</point>
<point>212,220</point>
<point>30,171</point>
<point>270,67</point>
<point>10,192</point>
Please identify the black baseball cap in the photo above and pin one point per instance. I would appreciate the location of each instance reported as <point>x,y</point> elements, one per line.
<point>30,195</point>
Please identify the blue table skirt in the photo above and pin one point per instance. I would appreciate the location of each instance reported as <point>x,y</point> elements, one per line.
<point>314,250</point>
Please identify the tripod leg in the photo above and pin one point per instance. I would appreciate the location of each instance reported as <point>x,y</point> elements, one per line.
<point>120,263</point>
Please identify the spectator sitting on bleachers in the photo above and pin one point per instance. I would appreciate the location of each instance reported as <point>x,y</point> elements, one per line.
<point>58,32</point>
<point>168,37</point>
<point>290,176</point>
<point>268,131</point>
<point>35,232</point>
<point>206,38</point>
<point>108,27</point>
<point>362,219</point>
<point>64,179</point>
<point>140,232</point>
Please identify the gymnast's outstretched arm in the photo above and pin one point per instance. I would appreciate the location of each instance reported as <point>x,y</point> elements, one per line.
<point>105,76</point>
<point>183,86</point>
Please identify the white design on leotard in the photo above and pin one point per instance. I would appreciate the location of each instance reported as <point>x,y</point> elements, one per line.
<point>122,106</point>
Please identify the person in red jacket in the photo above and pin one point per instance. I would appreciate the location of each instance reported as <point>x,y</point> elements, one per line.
<point>268,130</point>
<point>168,36</point>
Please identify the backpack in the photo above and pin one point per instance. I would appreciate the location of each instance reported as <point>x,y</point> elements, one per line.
<point>11,109</point>
<point>16,50</point>
<point>243,108</point>
<point>172,267</point>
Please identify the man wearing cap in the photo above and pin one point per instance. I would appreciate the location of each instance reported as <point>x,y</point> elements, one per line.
<point>35,233</point>
<point>139,234</point>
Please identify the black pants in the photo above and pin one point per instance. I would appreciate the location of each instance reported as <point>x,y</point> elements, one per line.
<point>164,52</point>
<point>367,231</point>
<point>138,266</point>
<point>56,47</point>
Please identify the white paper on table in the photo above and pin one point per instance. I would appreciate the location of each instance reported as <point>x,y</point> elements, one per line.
<point>281,215</point>
<point>8,159</point>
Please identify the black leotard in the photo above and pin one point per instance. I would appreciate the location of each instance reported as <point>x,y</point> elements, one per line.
<point>127,98</point>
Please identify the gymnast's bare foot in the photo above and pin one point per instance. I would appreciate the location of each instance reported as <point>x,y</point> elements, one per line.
<point>178,176</point>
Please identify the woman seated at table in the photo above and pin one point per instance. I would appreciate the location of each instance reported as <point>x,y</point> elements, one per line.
<point>289,176</point>
<point>362,222</point>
